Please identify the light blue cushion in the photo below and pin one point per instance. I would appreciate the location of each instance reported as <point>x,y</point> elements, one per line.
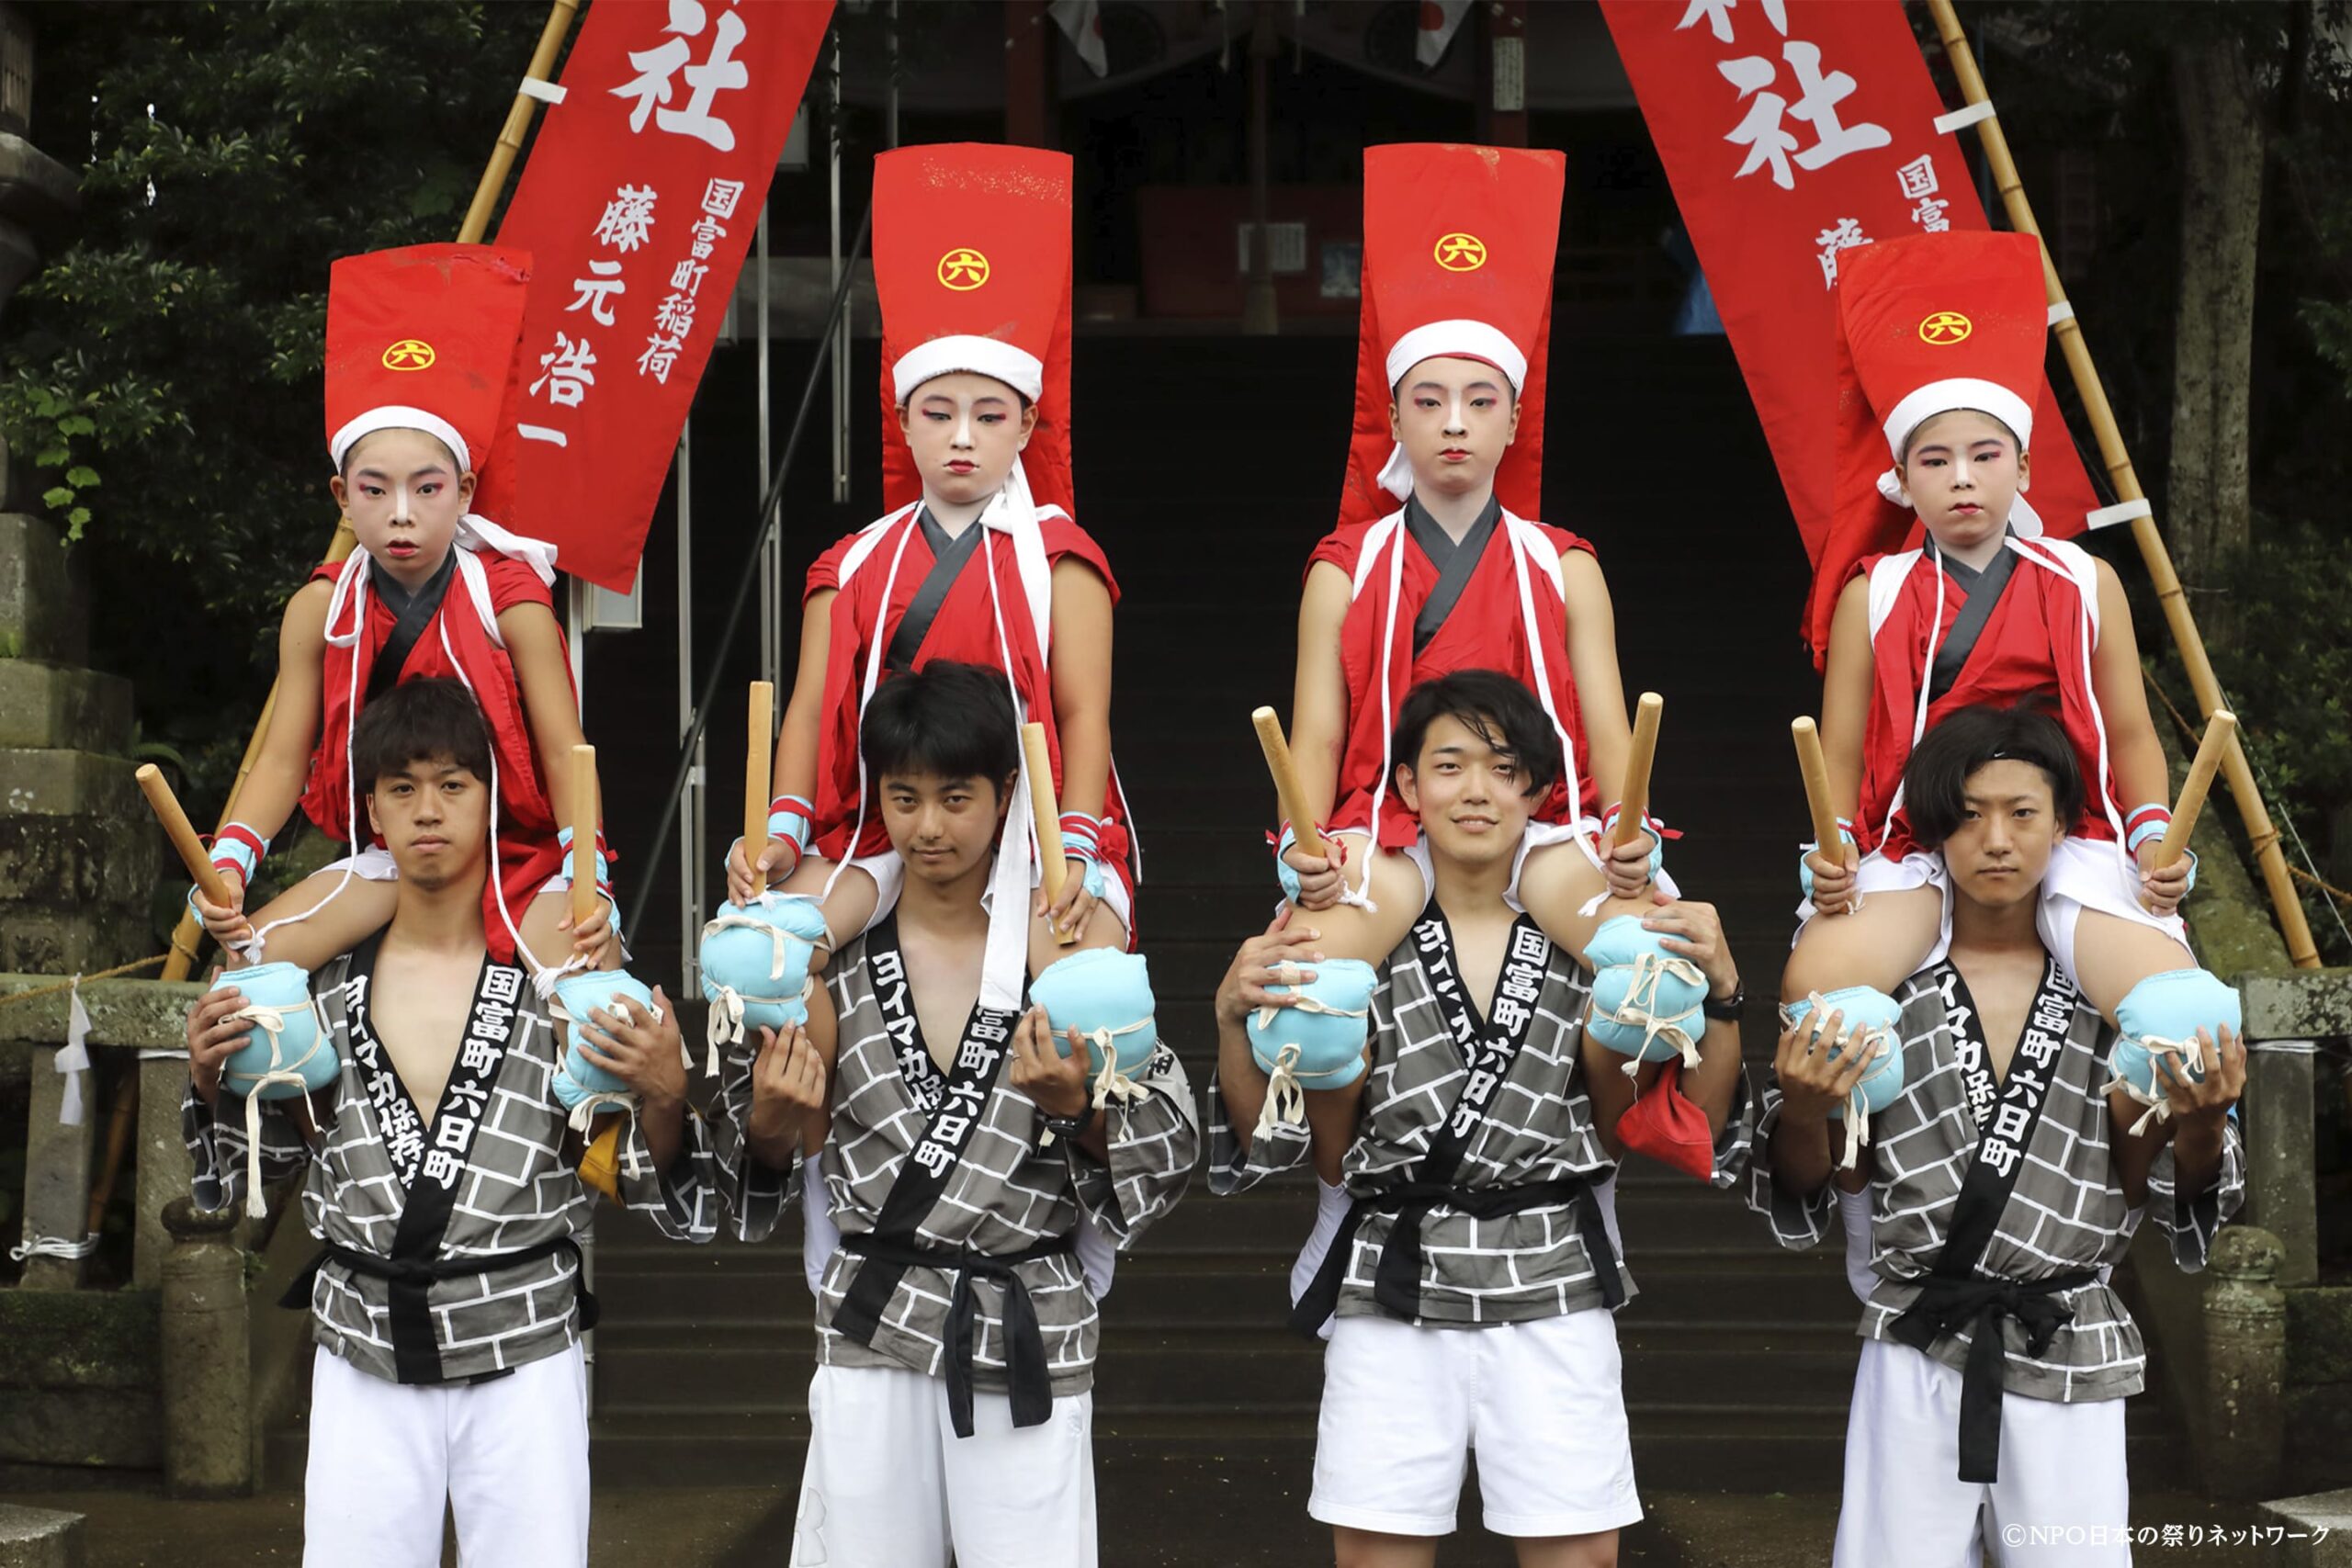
<point>1664,1010</point>
<point>1867,1015</point>
<point>580,995</point>
<point>1329,1036</point>
<point>298,1044</point>
<point>1102,993</point>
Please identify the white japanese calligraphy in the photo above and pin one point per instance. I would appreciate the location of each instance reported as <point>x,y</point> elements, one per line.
<point>628,222</point>
<point>566,371</point>
<point>594,293</point>
<point>719,73</point>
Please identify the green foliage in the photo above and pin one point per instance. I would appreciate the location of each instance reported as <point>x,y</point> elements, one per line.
<point>161,371</point>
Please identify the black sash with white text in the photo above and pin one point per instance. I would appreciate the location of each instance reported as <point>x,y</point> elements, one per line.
<point>955,1106</point>
<point>1489,1046</point>
<point>428,1159</point>
<point>1955,1295</point>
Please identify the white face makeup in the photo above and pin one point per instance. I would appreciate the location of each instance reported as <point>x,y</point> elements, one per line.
<point>1962,473</point>
<point>965,430</point>
<point>1454,418</point>
<point>403,493</point>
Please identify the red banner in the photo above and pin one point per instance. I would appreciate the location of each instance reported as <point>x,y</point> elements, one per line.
<point>1792,129</point>
<point>639,199</point>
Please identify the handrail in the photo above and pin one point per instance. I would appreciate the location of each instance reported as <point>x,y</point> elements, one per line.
<point>769,515</point>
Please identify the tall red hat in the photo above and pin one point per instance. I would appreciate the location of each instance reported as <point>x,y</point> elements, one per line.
<point>423,338</point>
<point>1926,324</point>
<point>1458,247</point>
<point>972,270</point>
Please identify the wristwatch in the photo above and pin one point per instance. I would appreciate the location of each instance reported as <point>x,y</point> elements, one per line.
<point>1728,1010</point>
<point>1070,1129</point>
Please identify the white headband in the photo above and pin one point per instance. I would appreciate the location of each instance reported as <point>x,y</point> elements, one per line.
<point>1475,339</point>
<point>1958,392</point>
<point>1016,367</point>
<point>398,416</point>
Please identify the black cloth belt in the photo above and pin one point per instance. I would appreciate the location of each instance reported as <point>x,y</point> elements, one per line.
<point>1030,1385</point>
<point>413,1276</point>
<point>1396,1281</point>
<point>1946,1306</point>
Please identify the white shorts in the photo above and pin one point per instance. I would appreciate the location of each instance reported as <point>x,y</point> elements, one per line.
<point>509,1457</point>
<point>1584,832</point>
<point>2063,1500</point>
<point>889,1485</point>
<point>2084,873</point>
<point>889,875</point>
<point>1543,1403</point>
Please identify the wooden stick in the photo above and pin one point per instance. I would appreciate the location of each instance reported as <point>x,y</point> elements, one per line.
<point>477,224</point>
<point>2219,730</point>
<point>181,833</point>
<point>1815,766</point>
<point>584,835</point>
<point>1048,812</point>
<point>1634,801</point>
<point>759,759</point>
<point>2285,901</point>
<point>1294,799</point>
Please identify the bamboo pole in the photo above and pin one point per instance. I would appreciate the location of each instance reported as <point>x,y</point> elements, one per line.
<point>758,758</point>
<point>582,800</point>
<point>2261,833</point>
<point>1052,868</point>
<point>2209,752</point>
<point>477,224</point>
<point>1276,747</point>
<point>181,833</point>
<point>1634,800</point>
<point>1815,766</point>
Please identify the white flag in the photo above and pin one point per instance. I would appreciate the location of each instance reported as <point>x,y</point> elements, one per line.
<point>73,1059</point>
<point>1082,22</point>
<point>1440,20</point>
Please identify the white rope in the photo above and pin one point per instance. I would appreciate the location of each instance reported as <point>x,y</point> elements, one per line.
<point>39,1245</point>
<point>2186,1055</point>
<point>1286,1103</point>
<point>351,589</point>
<point>1361,896</point>
<point>1639,1008</point>
<point>271,1021</point>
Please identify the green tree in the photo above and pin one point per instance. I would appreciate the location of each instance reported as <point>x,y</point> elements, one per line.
<point>163,370</point>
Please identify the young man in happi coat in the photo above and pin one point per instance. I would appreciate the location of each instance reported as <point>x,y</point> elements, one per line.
<point>957,1153</point>
<point>1435,567</point>
<point>1472,1267</point>
<point>447,1300</point>
<point>1998,1191</point>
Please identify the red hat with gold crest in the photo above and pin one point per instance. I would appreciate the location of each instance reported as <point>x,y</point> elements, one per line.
<point>1926,324</point>
<point>423,338</point>
<point>972,271</point>
<point>1458,245</point>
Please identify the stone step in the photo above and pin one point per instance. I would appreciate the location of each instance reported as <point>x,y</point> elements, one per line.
<point>48,707</point>
<point>41,1538</point>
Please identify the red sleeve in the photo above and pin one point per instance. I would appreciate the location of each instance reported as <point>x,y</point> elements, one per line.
<point>1064,538</point>
<point>326,571</point>
<point>512,582</point>
<point>1565,541</point>
<point>826,570</point>
<point>1340,547</point>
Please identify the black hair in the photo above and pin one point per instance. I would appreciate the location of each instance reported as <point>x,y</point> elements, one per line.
<point>1496,709</point>
<point>1935,780</point>
<point>418,721</point>
<point>950,720</point>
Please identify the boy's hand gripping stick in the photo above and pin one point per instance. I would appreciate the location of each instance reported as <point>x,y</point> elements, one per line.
<point>2219,730</point>
<point>1634,801</point>
<point>192,853</point>
<point>1294,799</point>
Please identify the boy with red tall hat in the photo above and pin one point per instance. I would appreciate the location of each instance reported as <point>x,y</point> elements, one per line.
<point>1436,567</point>
<point>979,561</point>
<point>1941,343</point>
<point>422,352</point>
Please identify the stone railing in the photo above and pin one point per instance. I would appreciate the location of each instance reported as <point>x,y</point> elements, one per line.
<point>144,1017</point>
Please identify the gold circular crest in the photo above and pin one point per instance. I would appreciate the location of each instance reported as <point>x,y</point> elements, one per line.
<point>962,269</point>
<point>1458,252</point>
<point>1944,328</point>
<point>408,354</point>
